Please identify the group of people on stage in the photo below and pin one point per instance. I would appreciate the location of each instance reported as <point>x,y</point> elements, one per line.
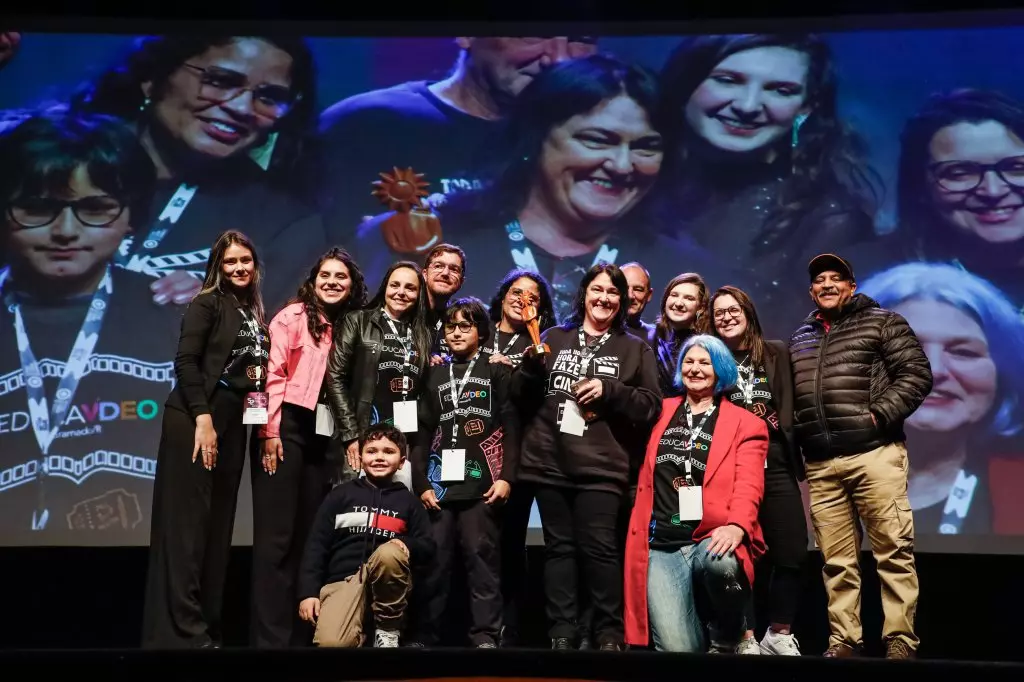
<point>391,436</point>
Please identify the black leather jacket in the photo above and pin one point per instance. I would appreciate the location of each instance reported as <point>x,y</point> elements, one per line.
<point>868,363</point>
<point>352,372</point>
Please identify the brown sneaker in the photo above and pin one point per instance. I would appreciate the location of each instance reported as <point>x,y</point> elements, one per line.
<point>841,651</point>
<point>897,648</point>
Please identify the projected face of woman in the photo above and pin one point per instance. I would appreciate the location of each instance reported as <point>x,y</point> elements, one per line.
<point>206,106</point>
<point>964,376</point>
<point>596,166</point>
<point>750,99</point>
<point>976,177</point>
<point>67,240</point>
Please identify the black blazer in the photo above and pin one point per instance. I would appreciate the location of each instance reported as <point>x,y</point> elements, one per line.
<point>209,330</point>
<point>780,382</point>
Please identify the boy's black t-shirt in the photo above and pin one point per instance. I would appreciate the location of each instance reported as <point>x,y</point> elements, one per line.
<point>486,423</point>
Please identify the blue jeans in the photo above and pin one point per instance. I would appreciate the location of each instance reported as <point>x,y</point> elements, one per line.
<point>673,579</point>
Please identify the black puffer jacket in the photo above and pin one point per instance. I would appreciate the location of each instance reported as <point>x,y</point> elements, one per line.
<point>869,362</point>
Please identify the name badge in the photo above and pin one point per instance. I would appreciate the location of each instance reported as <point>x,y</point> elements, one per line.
<point>453,465</point>
<point>255,408</point>
<point>324,421</point>
<point>691,502</point>
<point>406,419</point>
<point>572,421</point>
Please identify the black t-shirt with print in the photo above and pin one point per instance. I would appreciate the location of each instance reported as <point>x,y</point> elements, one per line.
<point>486,431</point>
<point>511,345</point>
<point>102,462</point>
<point>668,531</point>
<point>391,369</point>
<point>762,404</point>
<point>247,364</point>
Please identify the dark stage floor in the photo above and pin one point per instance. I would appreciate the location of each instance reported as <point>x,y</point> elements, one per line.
<point>437,664</point>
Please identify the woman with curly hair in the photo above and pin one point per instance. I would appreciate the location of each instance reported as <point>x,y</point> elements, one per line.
<point>289,472</point>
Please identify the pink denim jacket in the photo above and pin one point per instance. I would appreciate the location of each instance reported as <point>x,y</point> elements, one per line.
<point>295,371</point>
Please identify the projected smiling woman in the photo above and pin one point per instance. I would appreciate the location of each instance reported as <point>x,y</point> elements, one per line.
<point>85,365</point>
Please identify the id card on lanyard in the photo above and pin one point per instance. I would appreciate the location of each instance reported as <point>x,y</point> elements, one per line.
<point>256,402</point>
<point>453,459</point>
<point>406,417</point>
<point>691,495</point>
<point>47,418</point>
<point>574,418</point>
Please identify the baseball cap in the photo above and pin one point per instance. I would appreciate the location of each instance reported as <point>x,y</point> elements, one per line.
<point>824,262</point>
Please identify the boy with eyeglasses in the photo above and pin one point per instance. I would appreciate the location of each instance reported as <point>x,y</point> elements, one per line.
<point>464,474</point>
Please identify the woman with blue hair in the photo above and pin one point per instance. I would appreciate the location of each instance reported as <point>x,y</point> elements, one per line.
<point>974,339</point>
<point>694,525</point>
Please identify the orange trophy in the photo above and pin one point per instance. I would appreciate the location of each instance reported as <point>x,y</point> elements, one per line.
<point>413,228</point>
<point>530,316</point>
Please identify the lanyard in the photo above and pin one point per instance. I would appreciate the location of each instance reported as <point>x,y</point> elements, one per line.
<point>745,382</point>
<point>508,346</point>
<point>958,503</point>
<point>46,419</point>
<point>523,258</point>
<point>172,212</point>
<point>406,349</point>
<point>588,354</point>
<point>692,440</point>
<point>456,391</point>
<point>257,345</point>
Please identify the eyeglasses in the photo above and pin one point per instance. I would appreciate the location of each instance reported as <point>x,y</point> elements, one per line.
<point>517,293</point>
<point>464,327</point>
<point>30,212</point>
<point>438,266</point>
<point>966,176</point>
<point>722,313</point>
<point>222,85</point>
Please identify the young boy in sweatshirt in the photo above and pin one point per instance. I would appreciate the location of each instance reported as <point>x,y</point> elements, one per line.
<point>360,546</point>
<point>463,471</point>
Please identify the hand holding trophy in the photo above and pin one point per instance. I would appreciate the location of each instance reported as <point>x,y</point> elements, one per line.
<point>532,319</point>
<point>413,228</point>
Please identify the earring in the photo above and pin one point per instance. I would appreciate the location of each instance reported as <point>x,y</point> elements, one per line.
<point>261,155</point>
<point>145,104</point>
<point>797,122</point>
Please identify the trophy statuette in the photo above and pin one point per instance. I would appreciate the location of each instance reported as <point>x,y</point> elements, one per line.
<point>531,318</point>
<point>413,227</point>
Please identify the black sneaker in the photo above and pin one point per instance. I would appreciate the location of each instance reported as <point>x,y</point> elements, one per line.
<point>611,646</point>
<point>561,644</point>
<point>414,645</point>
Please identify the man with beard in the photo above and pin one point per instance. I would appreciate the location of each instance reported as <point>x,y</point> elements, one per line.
<point>444,270</point>
<point>436,128</point>
<point>859,373</point>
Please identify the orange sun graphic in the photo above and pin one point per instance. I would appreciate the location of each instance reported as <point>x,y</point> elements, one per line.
<point>401,190</point>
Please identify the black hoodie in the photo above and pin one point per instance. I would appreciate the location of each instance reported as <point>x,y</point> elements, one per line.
<point>355,519</point>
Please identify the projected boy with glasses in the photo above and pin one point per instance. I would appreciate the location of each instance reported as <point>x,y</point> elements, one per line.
<point>85,360</point>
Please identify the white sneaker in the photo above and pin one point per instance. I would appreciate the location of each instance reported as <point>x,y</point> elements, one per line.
<point>385,639</point>
<point>777,644</point>
<point>748,647</point>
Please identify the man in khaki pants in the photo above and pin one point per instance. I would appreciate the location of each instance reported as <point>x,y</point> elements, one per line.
<point>859,372</point>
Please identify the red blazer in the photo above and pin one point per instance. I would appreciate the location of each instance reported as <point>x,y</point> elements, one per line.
<point>733,487</point>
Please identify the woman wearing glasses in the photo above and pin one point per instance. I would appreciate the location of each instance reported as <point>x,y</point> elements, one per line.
<point>764,387</point>
<point>223,119</point>
<point>961,186</point>
<point>87,364</point>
